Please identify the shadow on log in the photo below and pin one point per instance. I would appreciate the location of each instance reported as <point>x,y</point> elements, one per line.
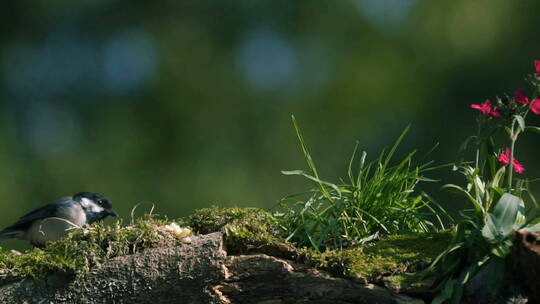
<point>199,272</point>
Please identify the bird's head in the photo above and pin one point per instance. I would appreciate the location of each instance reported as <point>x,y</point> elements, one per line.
<point>96,206</point>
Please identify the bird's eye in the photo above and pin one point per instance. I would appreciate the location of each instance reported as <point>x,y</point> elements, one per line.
<point>100,202</point>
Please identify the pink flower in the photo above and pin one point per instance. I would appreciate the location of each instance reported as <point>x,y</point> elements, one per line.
<point>518,168</point>
<point>505,159</point>
<point>495,113</point>
<point>485,108</point>
<point>535,106</point>
<point>520,96</point>
<point>537,66</point>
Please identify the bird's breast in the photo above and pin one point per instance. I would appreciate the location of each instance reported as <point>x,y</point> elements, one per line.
<point>49,229</point>
<point>73,213</point>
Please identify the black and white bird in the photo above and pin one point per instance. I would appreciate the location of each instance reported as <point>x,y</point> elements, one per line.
<point>55,220</point>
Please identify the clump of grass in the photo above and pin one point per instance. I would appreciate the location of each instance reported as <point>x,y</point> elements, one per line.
<point>377,199</point>
<point>84,249</point>
<point>243,228</point>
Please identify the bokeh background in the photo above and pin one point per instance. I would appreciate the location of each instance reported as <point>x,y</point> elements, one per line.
<point>187,104</point>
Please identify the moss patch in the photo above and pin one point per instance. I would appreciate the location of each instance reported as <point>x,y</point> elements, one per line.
<point>391,261</point>
<point>411,283</point>
<point>396,254</point>
<point>83,249</point>
<point>244,229</point>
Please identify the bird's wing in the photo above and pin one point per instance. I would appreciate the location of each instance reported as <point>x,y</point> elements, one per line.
<point>48,210</point>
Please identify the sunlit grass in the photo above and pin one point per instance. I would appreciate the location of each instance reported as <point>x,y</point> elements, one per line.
<point>377,198</point>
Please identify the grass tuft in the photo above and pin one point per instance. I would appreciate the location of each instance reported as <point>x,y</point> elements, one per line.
<point>378,198</point>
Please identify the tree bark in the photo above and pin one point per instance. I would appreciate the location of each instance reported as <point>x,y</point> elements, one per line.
<point>198,272</point>
<point>525,266</point>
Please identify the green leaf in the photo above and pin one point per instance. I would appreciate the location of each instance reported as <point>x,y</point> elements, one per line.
<point>461,152</point>
<point>500,222</point>
<point>506,210</point>
<point>308,158</point>
<point>395,146</point>
<point>520,121</point>
<point>489,231</point>
<point>498,178</point>
<point>293,172</point>
<point>508,131</point>
<point>502,249</point>
<point>444,254</point>
<point>491,159</point>
<point>350,172</point>
<point>477,205</point>
<point>479,186</point>
<point>521,218</point>
<point>446,292</point>
<point>534,225</point>
<point>534,129</point>
<point>319,182</point>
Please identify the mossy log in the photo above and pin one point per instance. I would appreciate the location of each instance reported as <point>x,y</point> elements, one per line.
<point>198,272</point>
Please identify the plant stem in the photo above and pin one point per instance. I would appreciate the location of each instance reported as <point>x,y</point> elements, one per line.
<point>513,138</point>
<point>477,157</point>
<point>478,141</point>
<point>511,167</point>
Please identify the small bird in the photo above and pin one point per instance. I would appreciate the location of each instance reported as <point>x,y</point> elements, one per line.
<point>55,220</point>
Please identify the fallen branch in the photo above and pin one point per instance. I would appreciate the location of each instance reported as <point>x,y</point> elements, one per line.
<point>198,272</point>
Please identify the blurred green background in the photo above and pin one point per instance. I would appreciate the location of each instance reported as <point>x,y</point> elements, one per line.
<point>186,104</point>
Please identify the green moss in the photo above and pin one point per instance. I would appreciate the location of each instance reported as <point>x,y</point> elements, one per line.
<point>396,254</point>
<point>394,258</point>
<point>81,250</point>
<point>412,282</point>
<point>244,229</point>
<point>391,260</point>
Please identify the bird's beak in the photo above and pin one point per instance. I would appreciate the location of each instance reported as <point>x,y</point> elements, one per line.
<point>112,212</point>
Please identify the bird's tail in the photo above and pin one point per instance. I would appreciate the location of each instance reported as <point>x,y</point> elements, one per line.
<point>10,234</point>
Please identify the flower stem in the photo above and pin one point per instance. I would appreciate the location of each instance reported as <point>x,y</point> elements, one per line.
<point>477,157</point>
<point>513,137</point>
<point>511,166</point>
<point>478,142</point>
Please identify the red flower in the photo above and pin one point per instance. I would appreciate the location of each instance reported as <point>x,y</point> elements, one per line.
<point>505,159</point>
<point>535,106</point>
<point>520,96</point>
<point>518,168</point>
<point>485,108</point>
<point>537,66</point>
<point>495,113</point>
